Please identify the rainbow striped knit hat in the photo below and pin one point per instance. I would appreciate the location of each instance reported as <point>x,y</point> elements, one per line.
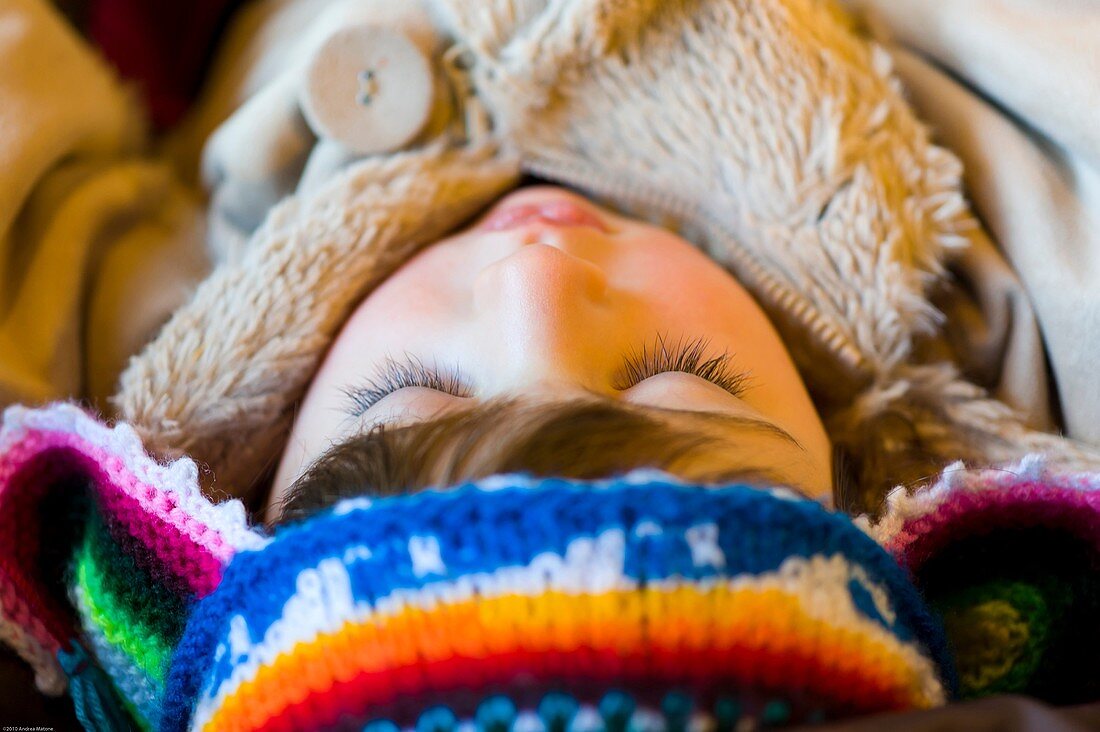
<point>510,604</point>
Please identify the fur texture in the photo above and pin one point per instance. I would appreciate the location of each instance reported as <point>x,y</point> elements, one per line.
<point>764,130</point>
<point>221,380</point>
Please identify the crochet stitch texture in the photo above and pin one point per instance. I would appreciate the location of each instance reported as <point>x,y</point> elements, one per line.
<point>146,548</point>
<point>1010,557</point>
<point>638,600</point>
<point>525,588</point>
<point>637,603</point>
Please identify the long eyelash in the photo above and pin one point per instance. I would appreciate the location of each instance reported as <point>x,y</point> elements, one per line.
<point>686,356</point>
<point>396,375</point>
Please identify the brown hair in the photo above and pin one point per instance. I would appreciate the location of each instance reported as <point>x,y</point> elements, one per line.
<point>584,439</point>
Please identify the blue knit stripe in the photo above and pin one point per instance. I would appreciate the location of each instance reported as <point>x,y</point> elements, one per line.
<point>531,522</point>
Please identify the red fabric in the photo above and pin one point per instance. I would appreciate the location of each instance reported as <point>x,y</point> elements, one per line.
<point>163,46</point>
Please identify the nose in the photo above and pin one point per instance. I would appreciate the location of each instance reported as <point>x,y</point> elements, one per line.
<point>541,309</point>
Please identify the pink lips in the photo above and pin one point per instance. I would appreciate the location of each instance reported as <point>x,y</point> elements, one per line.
<point>559,213</point>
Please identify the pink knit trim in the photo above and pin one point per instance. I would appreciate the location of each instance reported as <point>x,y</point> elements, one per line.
<point>966,513</point>
<point>109,471</point>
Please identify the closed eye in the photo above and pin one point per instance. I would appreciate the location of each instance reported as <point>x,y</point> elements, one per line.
<point>395,375</point>
<point>685,356</point>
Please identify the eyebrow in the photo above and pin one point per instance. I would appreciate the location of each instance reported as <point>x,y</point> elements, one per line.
<point>729,421</point>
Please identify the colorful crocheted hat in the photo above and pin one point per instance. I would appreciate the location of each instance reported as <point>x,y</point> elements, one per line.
<point>1011,558</point>
<point>638,603</point>
<point>632,597</point>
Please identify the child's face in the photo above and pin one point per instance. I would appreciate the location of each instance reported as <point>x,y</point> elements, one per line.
<point>548,297</point>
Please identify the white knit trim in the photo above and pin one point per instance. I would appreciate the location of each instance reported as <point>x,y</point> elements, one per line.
<point>179,477</point>
<point>903,506</point>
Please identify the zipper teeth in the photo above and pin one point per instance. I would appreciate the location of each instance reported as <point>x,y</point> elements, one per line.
<point>777,293</point>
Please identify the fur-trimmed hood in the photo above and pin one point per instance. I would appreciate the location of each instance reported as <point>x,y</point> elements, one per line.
<point>766,131</point>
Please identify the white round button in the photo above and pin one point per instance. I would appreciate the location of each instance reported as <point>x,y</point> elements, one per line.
<point>368,87</point>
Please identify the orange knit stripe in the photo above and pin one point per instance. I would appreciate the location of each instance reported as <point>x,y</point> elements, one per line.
<point>719,618</point>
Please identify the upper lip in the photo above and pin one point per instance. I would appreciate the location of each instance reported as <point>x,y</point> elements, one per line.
<point>556,213</point>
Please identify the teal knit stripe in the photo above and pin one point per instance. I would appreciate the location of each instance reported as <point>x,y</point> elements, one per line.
<point>141,694</point>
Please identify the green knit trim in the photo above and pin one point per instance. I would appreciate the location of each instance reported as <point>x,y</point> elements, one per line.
<point>155,605</point>
<point>120,626</point>
<point>999,632</point>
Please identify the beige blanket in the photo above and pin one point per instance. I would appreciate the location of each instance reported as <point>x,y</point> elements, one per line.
<point>1013,88</point>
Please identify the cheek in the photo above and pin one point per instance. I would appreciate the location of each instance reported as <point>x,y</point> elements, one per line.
<point>409,312</point>
<point>693,298</point>
<point>425,285</point>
